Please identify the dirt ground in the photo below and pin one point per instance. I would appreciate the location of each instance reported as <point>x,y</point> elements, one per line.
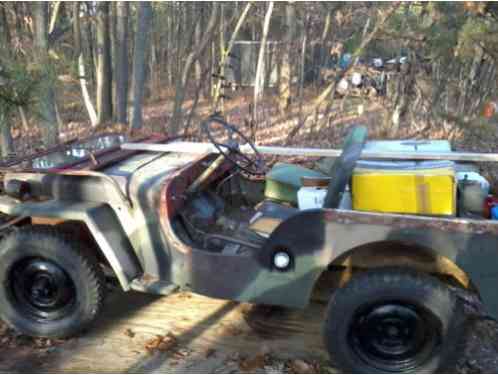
<point>187,333</point>
<point>179,333</point>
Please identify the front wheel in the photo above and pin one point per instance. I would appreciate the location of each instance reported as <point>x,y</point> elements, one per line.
<point>49,287</point>
<point>392,320</point>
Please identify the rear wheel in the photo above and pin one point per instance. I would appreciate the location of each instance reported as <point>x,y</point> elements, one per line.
<point>392,320</point>
<point>49,287</point>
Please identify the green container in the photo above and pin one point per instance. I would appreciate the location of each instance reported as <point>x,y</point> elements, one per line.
<point>284,180</point>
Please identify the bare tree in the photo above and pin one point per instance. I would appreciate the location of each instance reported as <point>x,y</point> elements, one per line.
<point>259,79</point>
<point>104,67</point>
<point>139,57</point>
<point>226,53</point>
<point>121,61</point>
<point>183,79</point>
<point>78,52</point>
<point>46,95</point>
<point>329,90</point>
<point>285,67</point>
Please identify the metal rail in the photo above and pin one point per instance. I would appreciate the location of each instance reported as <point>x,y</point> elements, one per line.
<point>201,148</point>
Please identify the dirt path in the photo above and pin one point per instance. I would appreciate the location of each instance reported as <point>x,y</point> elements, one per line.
<point>182,333</point>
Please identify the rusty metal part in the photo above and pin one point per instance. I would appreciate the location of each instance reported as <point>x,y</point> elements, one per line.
<point>398,221</point>
<point>315,181</point>
<point>12,222</point>
<point>231,240</point>
<point>82,173</point>
<point>199,181</point>
<point>390,254</point>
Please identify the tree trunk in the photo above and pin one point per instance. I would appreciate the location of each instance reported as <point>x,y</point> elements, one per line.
<point>197,37</point>
<point>24,119</point>
<point>224,55</point>
<point>55,15</point>
<point>284,87</point>
<point>80,60</point>
<point>139,56</point>
<point>104,67</point>
<point>6,142</point>
<point>303,59</point>
<point>182,81</point>
<point>121,60</point>
<point>5,36</point>
<point>76,29</point>
<point>88,36</point>
<point>84,91</point>
<point>259,79</point>
<point>46,101</point>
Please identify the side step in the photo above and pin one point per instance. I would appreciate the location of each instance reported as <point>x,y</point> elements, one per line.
<point>148,284</point>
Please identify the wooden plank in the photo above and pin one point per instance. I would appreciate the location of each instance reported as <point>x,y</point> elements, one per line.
<point>183,147</point>
<point>199,147</point>
<point>389,155</point>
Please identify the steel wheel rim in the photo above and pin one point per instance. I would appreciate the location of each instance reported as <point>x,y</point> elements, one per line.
<point>394,336</point>
<point>42,289</point>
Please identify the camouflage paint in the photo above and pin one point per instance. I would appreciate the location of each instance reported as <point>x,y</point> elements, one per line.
<point>141,243</point>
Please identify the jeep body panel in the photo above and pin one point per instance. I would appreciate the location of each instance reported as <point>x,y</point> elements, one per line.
<point>102,223</point>
<point>130,208</point>
<point>118,205</point>
<point>471,245</point>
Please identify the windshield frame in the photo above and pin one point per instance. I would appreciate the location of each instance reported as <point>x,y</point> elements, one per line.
<point>93,161</point>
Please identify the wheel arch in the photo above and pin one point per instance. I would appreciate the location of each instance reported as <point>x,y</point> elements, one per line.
<point>388,253</point>
<point>321,239</point>
<point>101,222</point>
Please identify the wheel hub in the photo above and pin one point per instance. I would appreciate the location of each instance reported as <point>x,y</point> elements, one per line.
<point>42,289</point>
<point>394,336</point>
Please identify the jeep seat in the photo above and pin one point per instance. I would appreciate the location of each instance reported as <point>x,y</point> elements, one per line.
<point>284,180</point>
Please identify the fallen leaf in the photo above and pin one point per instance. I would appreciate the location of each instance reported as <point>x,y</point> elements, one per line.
<point>129,333</point>
<point>161,343</point>
<point>298,366</point>
<point>251,364</point>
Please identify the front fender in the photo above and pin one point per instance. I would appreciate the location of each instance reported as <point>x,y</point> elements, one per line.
<point>100,220</point>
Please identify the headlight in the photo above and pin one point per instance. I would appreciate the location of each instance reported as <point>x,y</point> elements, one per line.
<point>281,260</point>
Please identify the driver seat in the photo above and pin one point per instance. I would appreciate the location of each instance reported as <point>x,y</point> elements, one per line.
<point>284,180</point>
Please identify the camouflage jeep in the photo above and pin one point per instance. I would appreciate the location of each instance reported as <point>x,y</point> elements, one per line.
<point>156,215</point>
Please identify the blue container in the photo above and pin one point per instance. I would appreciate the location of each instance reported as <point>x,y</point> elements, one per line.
<point>345,61</point>
<point>494,213</point>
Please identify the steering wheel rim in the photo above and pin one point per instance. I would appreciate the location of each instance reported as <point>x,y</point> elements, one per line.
<point>253,166</point>
<point>342,168</point>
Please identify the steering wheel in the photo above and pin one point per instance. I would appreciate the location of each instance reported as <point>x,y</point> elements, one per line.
<point>342,169</point>
<point>230,149</point>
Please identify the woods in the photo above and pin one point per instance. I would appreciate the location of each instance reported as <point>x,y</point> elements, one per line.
<point>271,66</point>
<point>278,155</point>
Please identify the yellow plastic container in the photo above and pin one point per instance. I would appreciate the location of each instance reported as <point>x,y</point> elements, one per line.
<point>423,191</point>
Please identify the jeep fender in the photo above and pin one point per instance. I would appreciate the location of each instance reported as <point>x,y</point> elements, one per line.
<point>100,219</point>
<point>316,238</point>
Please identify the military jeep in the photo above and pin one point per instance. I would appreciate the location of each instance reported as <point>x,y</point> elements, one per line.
<point>158,214</point>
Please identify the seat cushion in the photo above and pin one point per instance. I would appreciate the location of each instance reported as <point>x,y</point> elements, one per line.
<point>284,180</point>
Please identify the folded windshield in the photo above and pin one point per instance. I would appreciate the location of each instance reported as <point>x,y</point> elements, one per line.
<point>76,152</point>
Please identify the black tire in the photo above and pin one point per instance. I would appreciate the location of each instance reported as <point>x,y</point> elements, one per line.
<point>393,320</point>
<point>49,287</point>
